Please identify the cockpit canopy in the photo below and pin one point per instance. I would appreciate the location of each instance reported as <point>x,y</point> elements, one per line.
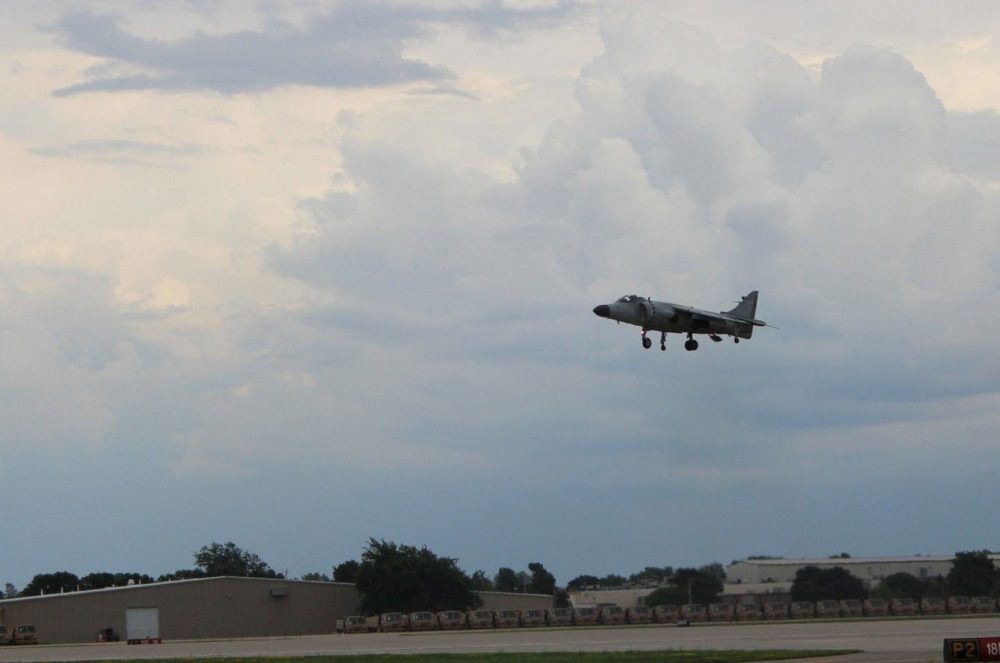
<point>628,299</point>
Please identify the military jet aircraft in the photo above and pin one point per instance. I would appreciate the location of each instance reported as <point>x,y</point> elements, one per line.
<point>665,318</point>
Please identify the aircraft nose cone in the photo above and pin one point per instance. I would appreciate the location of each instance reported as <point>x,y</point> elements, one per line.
<point>603,310</point>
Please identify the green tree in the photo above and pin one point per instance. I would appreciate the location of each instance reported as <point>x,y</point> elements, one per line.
<point>9,591</point>
<point>901,585</point>
<point>316,576</point>
<point>395,577</point>
<point>612,580</point>
<point>542,582</point>
<point>182,574</point>
<point>506,580</point>
<point>972,574</point>
<point>815,584</point>
<point>102,579</point>
<point>714,570</point>
<point>51,583</point>
<point>346,571</point>
<point>672,595</point>
<point>704,588</point>
<point>561,598</point>
<point>228,559</point>
<point>652,574</point>
<point>580,582</point>
<point>481,582</point>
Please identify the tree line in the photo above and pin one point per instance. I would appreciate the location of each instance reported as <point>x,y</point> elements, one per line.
<point>391,576</point>
<point>215,559</point>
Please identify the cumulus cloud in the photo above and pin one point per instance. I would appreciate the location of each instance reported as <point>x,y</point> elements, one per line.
<point>355,45</point>
<point>692,173</point>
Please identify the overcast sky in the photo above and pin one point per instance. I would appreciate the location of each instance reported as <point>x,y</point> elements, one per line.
<point>296,274</point>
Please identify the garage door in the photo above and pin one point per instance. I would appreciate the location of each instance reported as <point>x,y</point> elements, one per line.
<point>142,623</point>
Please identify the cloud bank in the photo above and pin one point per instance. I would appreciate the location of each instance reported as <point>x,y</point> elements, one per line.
<point>331,296</point>
<point>354,45</point>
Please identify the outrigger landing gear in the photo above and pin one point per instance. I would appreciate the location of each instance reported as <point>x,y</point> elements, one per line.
<point>690,344</point>
<point>663,340</point>
<point>646,341</point>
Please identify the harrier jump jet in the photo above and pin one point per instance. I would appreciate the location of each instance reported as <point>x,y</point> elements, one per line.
<point>665,318</point>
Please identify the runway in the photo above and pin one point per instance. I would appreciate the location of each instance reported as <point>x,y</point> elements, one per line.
<point>891,641</point>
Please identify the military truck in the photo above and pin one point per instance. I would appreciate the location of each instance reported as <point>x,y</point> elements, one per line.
<point>903,607</point>
<point>721,612</point>
<point>423,621</point>
<point>802,610</point>
<point>25,634</point>
<point>356,624</point>
<point>876,607</point>
<point>507,619</point>
<point>559,617</point>
<point>694,612</point>
<point>639,614</point>
<point>530,618</point>
<point>982,604</point>
<point>611,615</point>
<point>585,616</point>
<point>827,609</point>
<point>775,610</point>
<point>850,608</point>
<point>959,605</point>
<point>480,618</point>
<point>666,613</point>
<point>450,620</point>
<point>393,621</point>
<point>932,605</point>
<point>748,612</point>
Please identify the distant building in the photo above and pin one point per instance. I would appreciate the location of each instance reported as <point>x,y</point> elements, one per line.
<point>871,570</point>
<point>623,597</point>
<point>771,579</point>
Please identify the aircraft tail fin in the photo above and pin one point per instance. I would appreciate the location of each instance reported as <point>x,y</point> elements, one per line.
<point>746,309</point>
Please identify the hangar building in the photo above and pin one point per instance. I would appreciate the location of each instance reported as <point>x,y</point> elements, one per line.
<point>871,570</point>
<point>222,607</point>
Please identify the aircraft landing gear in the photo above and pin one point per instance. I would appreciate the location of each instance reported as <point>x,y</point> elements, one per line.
<point>646,341</point>
<point>690,344</point>
<point>663,340</point>
<point>715,337</point>
<point>736,339</point>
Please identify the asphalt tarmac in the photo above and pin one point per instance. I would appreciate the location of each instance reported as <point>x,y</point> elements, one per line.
<point>891,641</point>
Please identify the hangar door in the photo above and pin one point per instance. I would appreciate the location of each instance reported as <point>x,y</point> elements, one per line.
<point>142,623</point>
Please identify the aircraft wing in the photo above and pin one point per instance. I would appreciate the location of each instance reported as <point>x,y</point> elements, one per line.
<point>709,316</point>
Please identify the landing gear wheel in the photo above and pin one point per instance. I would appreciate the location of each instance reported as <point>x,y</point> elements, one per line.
<point>736,339</point>
<point>663,346</point>
<point>663,340</point>
<point>690,344</point>
<point>647,342</point>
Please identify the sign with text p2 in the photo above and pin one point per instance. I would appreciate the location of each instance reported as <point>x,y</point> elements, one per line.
<point>971,649</point>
